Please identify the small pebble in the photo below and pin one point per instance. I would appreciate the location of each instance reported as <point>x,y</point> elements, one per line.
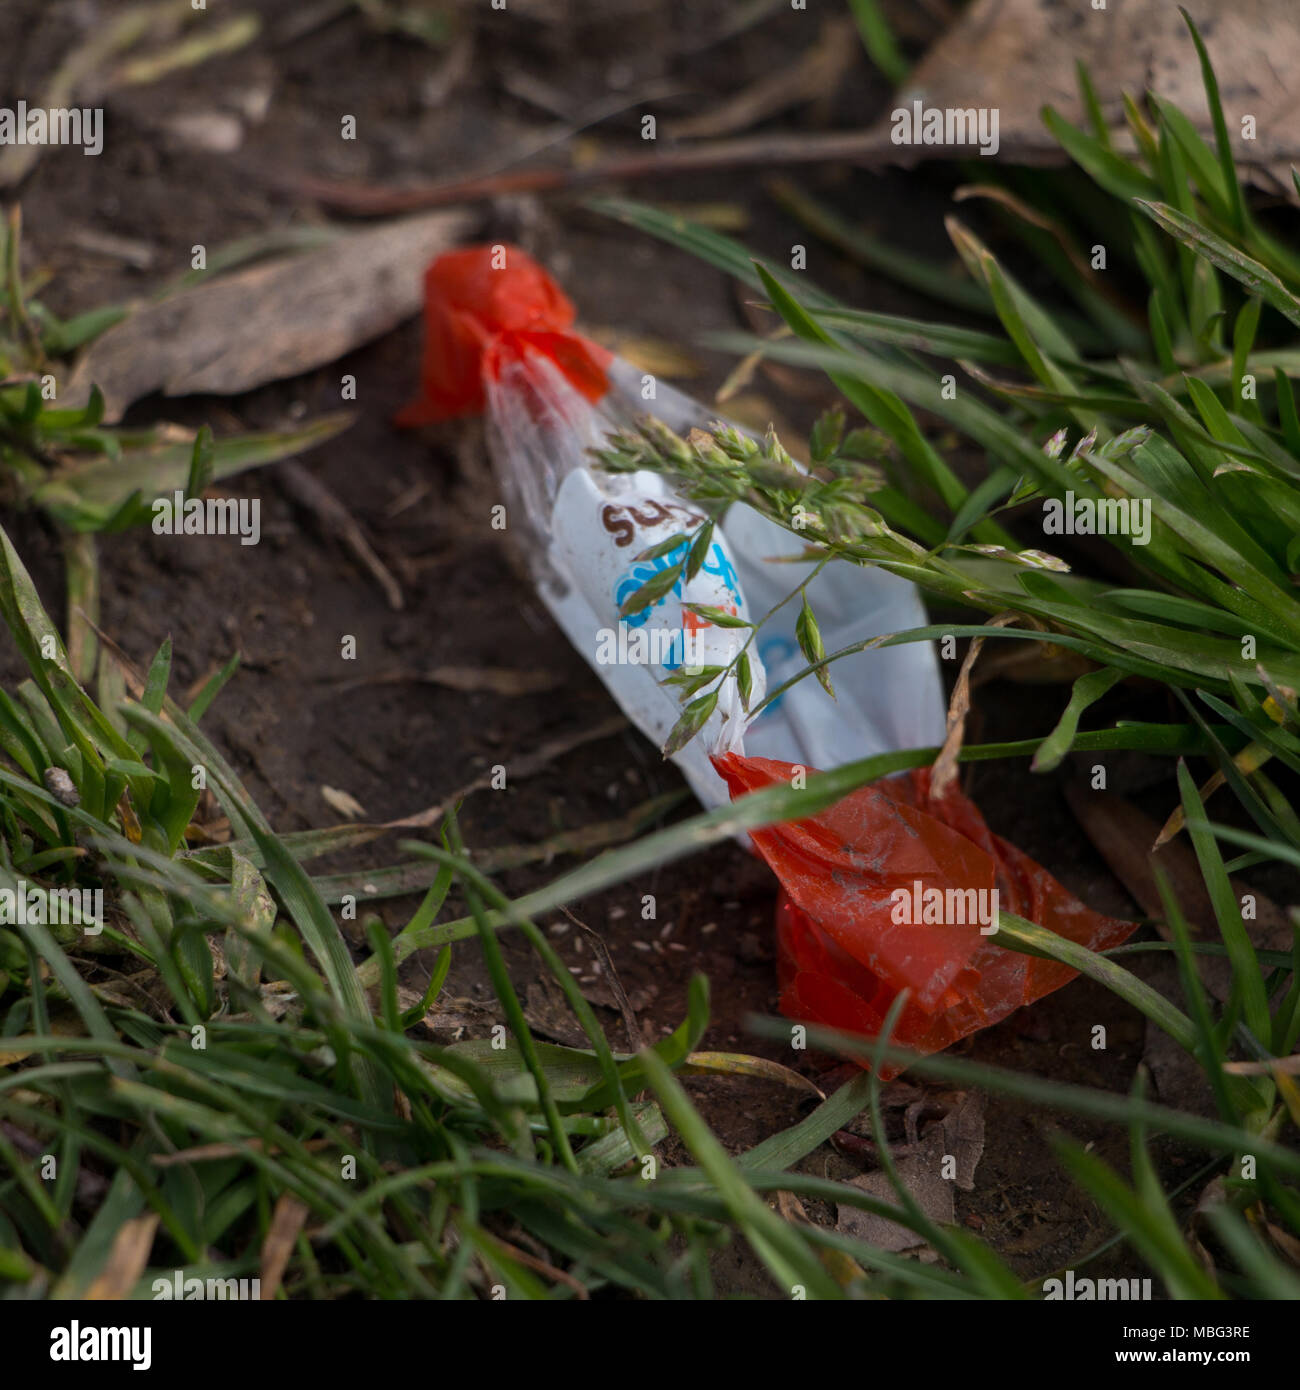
<point>60,786</point>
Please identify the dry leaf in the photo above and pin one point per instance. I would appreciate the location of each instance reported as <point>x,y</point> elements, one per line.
<point>1214,1197</point>
<point>944,772</point>
<point>1017,56</point>
<point>127,1258</point>
<point>286,1224</point>
<point>791,1209</point>
<point>1272,1066</point>
<point>548,1012</point>
<point>1287,1245</point>
<point>269,322</point>
<point>1123,836</point>
<point>743,1064</point>
<point>958,1135</point>
<point>922,1180</point>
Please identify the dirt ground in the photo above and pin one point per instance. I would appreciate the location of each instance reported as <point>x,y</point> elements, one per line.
<point>399,746</point>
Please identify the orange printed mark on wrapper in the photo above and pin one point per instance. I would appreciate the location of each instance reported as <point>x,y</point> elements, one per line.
<point>843,957</point>
<point>692,622</point>
<point>485,307</point>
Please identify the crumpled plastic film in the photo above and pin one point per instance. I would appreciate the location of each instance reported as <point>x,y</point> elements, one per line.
<point>854,920</point>
<point>859,884</point>
<point>499,339</point>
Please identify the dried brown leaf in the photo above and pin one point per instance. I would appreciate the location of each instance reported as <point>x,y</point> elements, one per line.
<point>126,1259</point>
<point>921,1178</point>
<point>269,322</point>
<point>286,1225</point>
<point>1016,56</point>
<point>1123,835</point>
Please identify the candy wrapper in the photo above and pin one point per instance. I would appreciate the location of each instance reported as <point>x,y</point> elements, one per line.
<point>895,889</point>
<point>500,339</point>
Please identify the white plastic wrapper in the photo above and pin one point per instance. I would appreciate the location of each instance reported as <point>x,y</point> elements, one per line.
<point>587,528</point>
<point>886,699</point>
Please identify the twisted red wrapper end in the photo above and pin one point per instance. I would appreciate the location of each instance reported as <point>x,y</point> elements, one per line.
<point>849,874</point>
<point>483,307</point>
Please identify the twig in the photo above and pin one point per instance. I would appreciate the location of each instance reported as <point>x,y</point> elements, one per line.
<point>542,1267</point>
<point>335,520</point>
<point>872,147</point>
<point>634,1038</point>
<point>525,766</point>
<point>469,680</point>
